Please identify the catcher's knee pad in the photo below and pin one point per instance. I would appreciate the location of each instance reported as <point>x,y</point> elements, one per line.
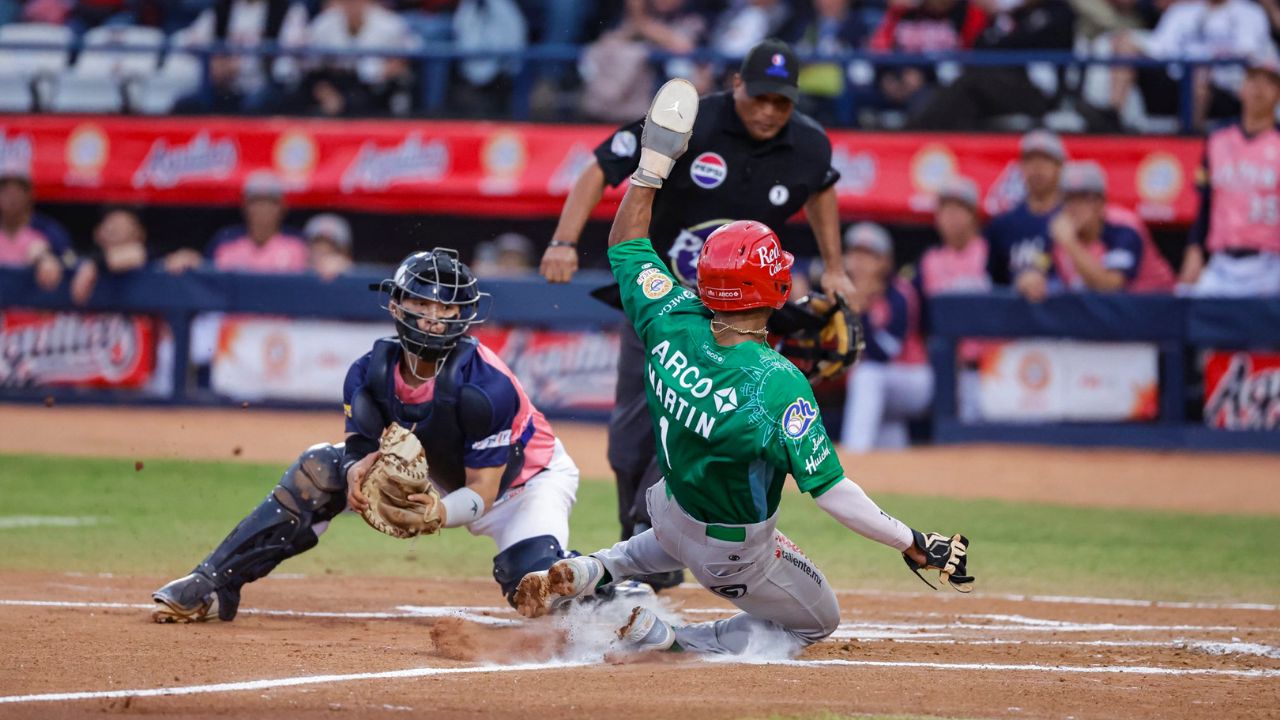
<point>526,556</point>
<point>281,526</point>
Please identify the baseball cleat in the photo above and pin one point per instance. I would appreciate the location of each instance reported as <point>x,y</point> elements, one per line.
<point>541,592</point>
<point>188,599</point>
<point>645,631</point>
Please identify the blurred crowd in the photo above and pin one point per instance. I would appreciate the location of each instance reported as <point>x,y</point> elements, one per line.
<point>611,76</point>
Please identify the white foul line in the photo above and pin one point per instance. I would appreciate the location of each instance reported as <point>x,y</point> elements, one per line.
<point>472,613</point>
<point>1083,669</point>
<point>280,682</point>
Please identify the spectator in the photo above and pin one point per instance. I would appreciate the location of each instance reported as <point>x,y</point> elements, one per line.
<point>922,26</point>
<point>509,255</point>
<point>1239,218</point>
<point>261,244</point>
<point>959,262</point>
<point>746,23</point>
<point>1018,240</point>
<point>345,85</point>
<point>79,15</point>
<point>329,239</point>
<point>983,93</point>
<point>28,239</point>
<point>1192,30</point>
<point>835,28</point>
<point>894,382</point>
<point>489,25</point>
<point>121,247</point>
<point>619,80</point>
<point>244,83</point>
<point>1090,253</point>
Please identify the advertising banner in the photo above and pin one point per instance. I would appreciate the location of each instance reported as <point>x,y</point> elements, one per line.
<point>307,360</point>
<point>1242,390</point>
<point>1055,381</point>
<point>71,349</point>
<point>511,169</point>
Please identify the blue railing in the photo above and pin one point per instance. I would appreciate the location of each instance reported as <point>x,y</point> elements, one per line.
<point>531,59</point>
<point>1176,326</point>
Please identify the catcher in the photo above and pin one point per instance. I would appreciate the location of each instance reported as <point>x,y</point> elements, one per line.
<point>732,419</point>
<point>431,397</point>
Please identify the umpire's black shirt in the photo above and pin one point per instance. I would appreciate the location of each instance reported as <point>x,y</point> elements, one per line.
<point>725,175</point>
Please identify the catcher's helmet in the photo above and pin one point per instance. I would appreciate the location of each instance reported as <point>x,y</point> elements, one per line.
<point>743,266</point>
<point>438,276</point>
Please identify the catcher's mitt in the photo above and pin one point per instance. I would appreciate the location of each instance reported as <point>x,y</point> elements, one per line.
<point>947,555</point>
<point>400,471</point>
<point>820,336</point>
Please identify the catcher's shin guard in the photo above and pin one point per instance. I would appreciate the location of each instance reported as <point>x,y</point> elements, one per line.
<point>311,491</point>
<point>527,556</point>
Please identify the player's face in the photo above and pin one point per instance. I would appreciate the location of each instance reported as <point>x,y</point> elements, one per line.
<point>954,222</point>
<point>764,116</point>
<point>429,313</point>
<point>865,267</point>
<point>1041,174</point>
<point>263,216</point>
<point>1260,93</point>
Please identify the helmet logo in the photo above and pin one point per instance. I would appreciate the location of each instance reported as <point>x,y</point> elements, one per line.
<point>767,257</point>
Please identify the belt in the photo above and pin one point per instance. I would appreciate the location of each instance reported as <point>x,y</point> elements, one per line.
<point>1241,252</point>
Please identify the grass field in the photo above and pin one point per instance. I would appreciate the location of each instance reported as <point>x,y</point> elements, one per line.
<point>162,519</point>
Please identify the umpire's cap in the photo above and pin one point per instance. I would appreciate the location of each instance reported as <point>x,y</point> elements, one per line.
<point>771,67</point>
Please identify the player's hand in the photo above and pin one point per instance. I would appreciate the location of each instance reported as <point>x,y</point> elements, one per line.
<point>1033,285</point>
<point>559,263</point>
<point>355,476</point>
<point>180,261</point>
<point>1062,229</point>
<point>48,272</point>
<point>83,282</point>
<point>835,281</point>
<point>1192,265</point>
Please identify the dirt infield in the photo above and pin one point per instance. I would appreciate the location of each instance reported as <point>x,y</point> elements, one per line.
<point>306,648</point>
<point>1191,482</point>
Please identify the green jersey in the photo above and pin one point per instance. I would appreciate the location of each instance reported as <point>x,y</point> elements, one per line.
<point>731,422</point>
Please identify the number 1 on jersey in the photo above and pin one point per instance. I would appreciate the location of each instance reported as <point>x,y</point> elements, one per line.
<point>662,428</point>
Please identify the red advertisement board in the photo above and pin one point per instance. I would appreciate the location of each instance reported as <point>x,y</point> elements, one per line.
<point>88,350</point>
<point>1242,390</point>
<point>510,169</point>
<point>573,370</point>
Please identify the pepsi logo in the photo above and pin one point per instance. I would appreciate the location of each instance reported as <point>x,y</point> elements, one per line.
<point>777,59</point>
<point>708,170</point>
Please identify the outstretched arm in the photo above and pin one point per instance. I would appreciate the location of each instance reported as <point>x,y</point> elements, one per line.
<point>632,219</point>
<point>667,129</point>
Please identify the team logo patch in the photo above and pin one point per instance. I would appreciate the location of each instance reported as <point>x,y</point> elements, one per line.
<point>798,417</point>
<point>623,143</point>
<point>708,170</point>
<point>654,285</point>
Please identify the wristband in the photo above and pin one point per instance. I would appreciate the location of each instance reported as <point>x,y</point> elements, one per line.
<point>562,243</point>
<point>462,507</point>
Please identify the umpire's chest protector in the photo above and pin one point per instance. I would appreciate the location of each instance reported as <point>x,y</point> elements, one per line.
<point>457,411</point>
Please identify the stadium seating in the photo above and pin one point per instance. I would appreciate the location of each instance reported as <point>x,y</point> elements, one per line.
<point>22,70</point>
<point>111,56</point>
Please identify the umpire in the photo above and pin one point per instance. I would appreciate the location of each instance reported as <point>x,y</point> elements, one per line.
<point>752,157</point>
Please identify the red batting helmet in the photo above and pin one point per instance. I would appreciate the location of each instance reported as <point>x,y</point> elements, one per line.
<point>743,266</point>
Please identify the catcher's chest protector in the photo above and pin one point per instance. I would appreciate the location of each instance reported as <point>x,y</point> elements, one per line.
<point>442,424</point>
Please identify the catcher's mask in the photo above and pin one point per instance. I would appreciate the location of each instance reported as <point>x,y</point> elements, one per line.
<point>436,276</point>
<point>819,336</point>
<point>743,266</point>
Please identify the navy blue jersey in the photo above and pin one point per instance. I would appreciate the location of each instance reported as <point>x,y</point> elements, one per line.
<point>1119,249</point>
<point>495,419</point>
<point>1018,240</point>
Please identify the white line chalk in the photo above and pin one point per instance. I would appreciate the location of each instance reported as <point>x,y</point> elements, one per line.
<point>279,682</point>
<point>10,522</point>
<point>1015,667</point>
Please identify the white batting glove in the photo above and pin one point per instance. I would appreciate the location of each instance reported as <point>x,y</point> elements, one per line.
<point>667,129</point>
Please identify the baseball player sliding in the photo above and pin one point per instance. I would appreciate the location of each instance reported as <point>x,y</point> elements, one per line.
<point>732,418</point>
